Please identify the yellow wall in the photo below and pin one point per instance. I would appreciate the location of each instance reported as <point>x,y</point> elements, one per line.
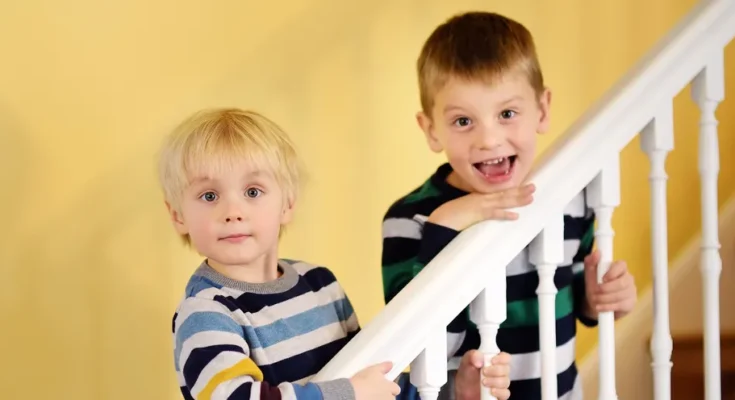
<point>92,270</point>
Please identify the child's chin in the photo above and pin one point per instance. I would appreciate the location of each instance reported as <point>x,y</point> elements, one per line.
<point>487,188</point>
<point>230,258</point>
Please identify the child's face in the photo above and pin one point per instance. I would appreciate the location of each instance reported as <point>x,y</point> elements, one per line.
<point>488,132</point>
<point>234,217</point>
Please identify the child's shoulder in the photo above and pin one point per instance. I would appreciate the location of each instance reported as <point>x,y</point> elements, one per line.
<point>204,295</point>
<point>313,274</point>
<point>202,286</point>
<point>318,283</point>
<point>422,200</point>
<point>204,306</point>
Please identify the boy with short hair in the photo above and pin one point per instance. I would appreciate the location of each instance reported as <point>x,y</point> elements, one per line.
<point>483,103</point>
<point>252,325</point>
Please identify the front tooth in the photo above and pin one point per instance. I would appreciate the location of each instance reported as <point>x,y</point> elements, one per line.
<point>495,161</point>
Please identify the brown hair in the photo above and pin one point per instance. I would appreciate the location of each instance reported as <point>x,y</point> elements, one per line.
<point>476,45</point>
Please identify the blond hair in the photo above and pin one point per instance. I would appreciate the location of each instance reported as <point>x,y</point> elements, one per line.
<point>476,46</point>
<point>214,140</point>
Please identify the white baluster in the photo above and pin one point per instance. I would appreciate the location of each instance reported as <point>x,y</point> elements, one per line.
<point>708,89</point>
<point>657,139</point>
<point>488,311</point>
<point>429,369</point>
<point>546,252</point>
<point>603,194</point>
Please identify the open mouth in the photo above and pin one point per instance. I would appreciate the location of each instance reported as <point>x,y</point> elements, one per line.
<point>496,169</point>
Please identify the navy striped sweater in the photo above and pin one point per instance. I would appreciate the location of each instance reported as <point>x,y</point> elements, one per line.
<point>237,340</point>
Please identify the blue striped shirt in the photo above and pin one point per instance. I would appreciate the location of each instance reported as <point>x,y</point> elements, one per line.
<point>238,340</point>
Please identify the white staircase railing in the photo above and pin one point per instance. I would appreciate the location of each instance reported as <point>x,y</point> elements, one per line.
<point>471,269</point>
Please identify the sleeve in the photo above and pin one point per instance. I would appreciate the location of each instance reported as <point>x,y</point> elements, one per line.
<point>408,246</point>
<point>345,311</point>
<point>213,360</point>
<point>580,295</point>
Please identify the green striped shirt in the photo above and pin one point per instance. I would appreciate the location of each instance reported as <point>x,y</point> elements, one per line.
<point>410,242</point>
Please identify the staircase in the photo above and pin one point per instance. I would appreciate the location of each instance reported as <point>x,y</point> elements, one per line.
<point>687,377</point>
<point>411,328</point>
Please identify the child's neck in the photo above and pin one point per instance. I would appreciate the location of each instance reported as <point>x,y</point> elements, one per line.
<point>263,269</point>
<point>454,180</point>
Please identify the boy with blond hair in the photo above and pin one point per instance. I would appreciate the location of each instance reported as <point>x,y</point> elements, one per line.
<point>483,102</point>
<point>252,325</point>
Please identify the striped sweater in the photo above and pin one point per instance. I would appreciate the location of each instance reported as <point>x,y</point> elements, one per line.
<point>237,340</point>
<point>410,242</point>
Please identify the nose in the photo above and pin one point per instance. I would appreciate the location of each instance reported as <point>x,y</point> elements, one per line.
<point>489,138</point>
<point>233,212</point>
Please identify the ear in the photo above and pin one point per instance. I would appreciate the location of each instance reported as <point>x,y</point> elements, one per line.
<point>427,125</point>
<point>177,220</point>
<point>545,108</point>
<point>287,212</point>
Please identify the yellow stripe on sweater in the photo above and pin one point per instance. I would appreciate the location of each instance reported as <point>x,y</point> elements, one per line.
<point>244,367</point>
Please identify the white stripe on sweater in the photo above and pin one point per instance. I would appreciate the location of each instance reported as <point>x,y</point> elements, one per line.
<point>402,228</point>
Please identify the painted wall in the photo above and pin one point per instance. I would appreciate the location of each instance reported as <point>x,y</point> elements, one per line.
<point>92,270</point>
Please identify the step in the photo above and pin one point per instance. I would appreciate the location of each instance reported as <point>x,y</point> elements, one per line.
<point>687,375</point>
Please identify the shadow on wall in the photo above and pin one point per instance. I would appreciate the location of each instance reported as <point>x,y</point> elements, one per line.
<point>17,183</point>
<point>269,67</point>
<point>90,291</point>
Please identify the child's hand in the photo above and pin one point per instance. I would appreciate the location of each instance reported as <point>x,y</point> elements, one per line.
<point>495,377</point>
<point>470,209</point>
<point>371,383</point>
<point>616,293</point>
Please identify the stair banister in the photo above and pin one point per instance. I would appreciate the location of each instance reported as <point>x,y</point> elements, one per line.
<point>410,322</point>
<point>657,140</point>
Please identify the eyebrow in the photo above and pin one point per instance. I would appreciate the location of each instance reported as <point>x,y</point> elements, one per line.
<point>200,179</point>
<point>249,175</point>
<point>512,99</point>
<point>450,107</point>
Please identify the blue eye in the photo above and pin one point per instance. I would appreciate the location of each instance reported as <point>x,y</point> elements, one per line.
<point>462,121</point>
<point>507,114</point>
<point>253,192</point>
<point>209,197</point>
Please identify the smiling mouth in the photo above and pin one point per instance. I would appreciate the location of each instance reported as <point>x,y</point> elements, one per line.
<point>497,167</point>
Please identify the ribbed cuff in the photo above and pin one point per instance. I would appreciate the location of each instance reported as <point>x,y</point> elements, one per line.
<point>338,389</point>
<point>588,322</point>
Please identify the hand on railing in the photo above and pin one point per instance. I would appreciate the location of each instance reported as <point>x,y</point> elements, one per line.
<point>471,375</point>
<point>370,383</point>
<point>461,213</point>
<point>616,293</point>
